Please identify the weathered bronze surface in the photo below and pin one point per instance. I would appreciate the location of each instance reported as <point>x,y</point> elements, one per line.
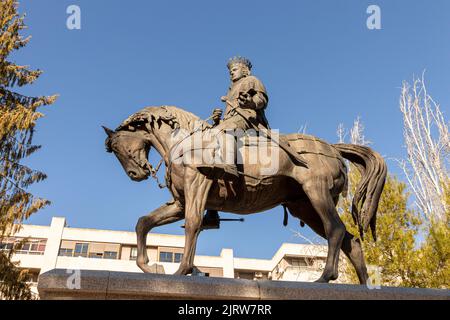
<point>308,183</point>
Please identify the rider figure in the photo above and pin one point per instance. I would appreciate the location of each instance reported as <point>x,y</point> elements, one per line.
<point>245,103</point>
<point>246,93</point>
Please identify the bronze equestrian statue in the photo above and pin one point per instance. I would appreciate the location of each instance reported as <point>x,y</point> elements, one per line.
<point>310,176</point>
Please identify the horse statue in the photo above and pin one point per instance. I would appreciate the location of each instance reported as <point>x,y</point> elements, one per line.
<point>309,193</point>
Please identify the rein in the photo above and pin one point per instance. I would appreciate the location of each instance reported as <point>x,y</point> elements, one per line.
<point>154,171</point>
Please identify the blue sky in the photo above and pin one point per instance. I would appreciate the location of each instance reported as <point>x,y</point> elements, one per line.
<point>320,63</point>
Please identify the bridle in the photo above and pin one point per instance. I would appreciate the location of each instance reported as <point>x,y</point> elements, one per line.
<point>145,164</point>
<point>153,173</point>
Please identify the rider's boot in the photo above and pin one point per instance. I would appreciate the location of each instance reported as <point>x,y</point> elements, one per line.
<point>225,168</point>
<point>219,171</point>
<point>225,171</point>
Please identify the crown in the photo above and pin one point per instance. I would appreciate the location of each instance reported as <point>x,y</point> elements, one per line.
<point>241,60</point>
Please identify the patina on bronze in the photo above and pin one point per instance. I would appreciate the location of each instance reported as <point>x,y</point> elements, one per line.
<point>309,192</point>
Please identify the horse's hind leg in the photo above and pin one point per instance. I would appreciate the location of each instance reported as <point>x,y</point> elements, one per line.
<point>352,249</point>
<point>165,214</point>
<point>350,245</point>
<point>322,202</point>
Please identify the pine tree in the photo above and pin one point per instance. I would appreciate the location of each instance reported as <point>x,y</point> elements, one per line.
<point>409,251</point>
<point>394,253</point>
<point>18,115</point>
<point>435,252</point>
<point>13,283</point>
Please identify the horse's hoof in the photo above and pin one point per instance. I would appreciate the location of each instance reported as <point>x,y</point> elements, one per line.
<point>322,280</point>
<point>154,268</point>
<point>326,278</point>
<point>197,272</point>
<point>179,273</point>
<point>185,271</point>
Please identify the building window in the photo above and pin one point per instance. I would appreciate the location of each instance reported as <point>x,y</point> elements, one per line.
<point>110,255</point>
<point>300,262</point>
<point>96,255</point>
<point>65,252</point>
<point>245,275</point>
<point>41,245</point>
<point>178,257</point>
<point>34,246</point>
<point>6,246</point>
<point>133,253</point>
<point>174,257</point>
<point>81,249</point>
<point>165,256</point>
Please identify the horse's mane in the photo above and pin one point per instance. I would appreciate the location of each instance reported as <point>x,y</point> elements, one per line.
<point>174,116</point>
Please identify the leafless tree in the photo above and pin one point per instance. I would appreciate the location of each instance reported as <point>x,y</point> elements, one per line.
<point>428,147</point>
<point>356,133</point>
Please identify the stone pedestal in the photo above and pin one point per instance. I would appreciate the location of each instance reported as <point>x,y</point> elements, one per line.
<point>87,284</point>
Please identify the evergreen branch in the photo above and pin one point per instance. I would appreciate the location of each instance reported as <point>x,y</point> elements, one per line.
<point>13,74</point>
<point>11,100</point>
<point>14,184</point>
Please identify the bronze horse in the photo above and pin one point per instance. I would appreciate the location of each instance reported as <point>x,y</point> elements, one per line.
<point>310,194</point>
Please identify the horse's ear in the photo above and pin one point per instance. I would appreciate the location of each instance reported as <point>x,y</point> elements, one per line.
<point>109,132</point>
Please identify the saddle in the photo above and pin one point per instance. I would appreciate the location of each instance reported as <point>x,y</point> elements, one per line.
<point>201,150</point>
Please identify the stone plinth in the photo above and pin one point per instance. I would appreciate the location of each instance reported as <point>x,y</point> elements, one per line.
<point>59,284</point>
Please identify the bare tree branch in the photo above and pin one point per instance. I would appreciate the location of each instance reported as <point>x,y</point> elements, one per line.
<point>427,143</point>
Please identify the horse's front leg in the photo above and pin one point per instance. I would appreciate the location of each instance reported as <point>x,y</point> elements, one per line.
<point>168,213</point>
<point>196,188</point>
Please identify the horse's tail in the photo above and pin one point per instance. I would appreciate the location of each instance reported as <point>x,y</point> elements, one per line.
<point>373,171</point>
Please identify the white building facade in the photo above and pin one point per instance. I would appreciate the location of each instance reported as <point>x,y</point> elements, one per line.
<point>58,246</point>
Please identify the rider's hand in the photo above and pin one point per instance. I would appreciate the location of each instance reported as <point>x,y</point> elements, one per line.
<point>245,100</point>
<point>217,114</point>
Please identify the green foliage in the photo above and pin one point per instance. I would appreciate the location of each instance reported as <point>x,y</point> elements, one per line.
<point>13,280</point>
<point>400,260</point>
<point>18,115</point>
<point>434,255</point>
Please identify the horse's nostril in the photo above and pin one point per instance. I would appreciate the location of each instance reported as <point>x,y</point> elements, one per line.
<point>132,173</point>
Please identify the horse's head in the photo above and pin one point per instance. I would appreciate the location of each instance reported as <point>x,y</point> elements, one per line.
<point>160,127</point>
<point>131,148</point>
